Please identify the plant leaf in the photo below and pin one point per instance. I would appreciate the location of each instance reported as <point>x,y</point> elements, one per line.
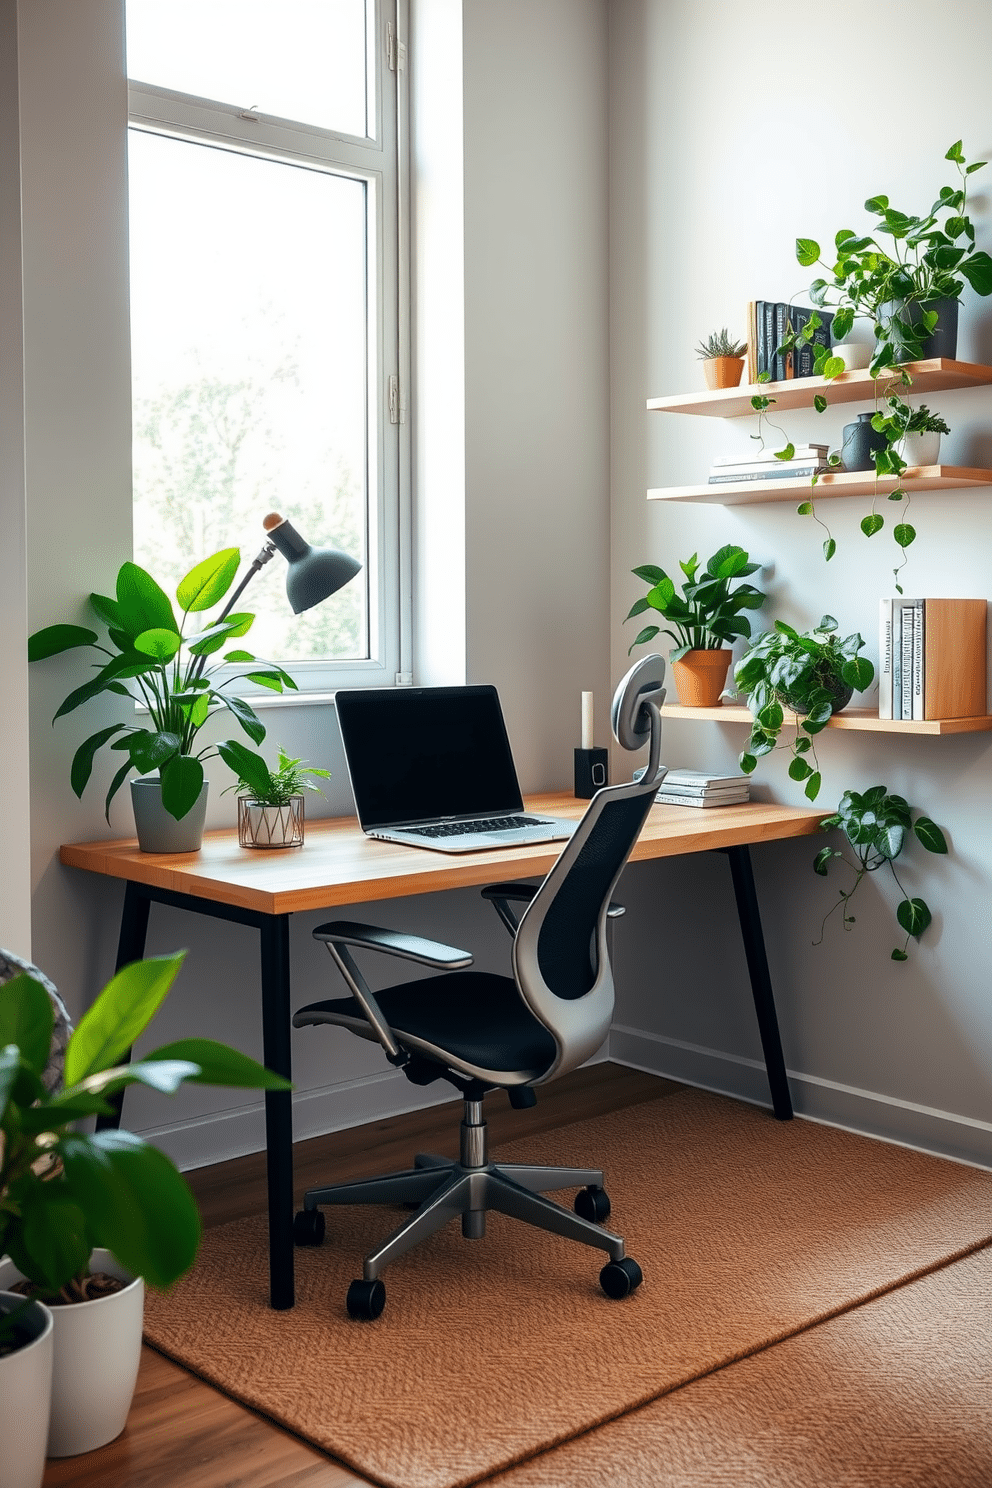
<point>55,639</point>
<point>249,719</point>
<point>220,1065</point>
<point>249,767</point>
<point>812,787</point>
<point>829,549</point>
<point>122,1011</point>
<point>160,644</point>
<point>904,534</point>
<point>914,916</point>
<point>82,761</point>
<point>27,1020</point>
<point>209,581</point>
<point>182,781</point>
<point>858,673</point>
<point>807,251</point>
<point>143,604</point>
<point>872,524</point>
<point>928,833</point>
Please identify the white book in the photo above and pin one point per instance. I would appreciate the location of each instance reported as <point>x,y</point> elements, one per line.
<point>732,798</point>
<point>699,780</point>
<point>885,658</point>
<point>919,655</point>
<point>908,628</point>
<point>768,457</point>
<point>706,790</point>
<point>896,659</point>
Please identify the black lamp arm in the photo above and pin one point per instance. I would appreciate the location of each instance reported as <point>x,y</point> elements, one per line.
<point>257,563</point>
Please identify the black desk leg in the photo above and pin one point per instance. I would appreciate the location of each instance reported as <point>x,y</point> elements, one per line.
<point>278,1107</point>
<point>130,947</point>
<point>761,983</point>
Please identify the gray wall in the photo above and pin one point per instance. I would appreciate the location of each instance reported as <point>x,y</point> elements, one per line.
<point>717,163</point>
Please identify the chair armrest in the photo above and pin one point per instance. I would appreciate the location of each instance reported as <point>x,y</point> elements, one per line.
<point>394,943</point>
<point>503,894</point>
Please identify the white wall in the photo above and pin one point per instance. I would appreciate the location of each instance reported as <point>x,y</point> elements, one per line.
<point>719,159</point>
<point>525,482</point>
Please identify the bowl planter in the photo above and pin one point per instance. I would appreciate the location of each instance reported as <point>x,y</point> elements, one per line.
<point>700,677</point>
<point>920,447</point>
<point>723,372</point>
<point>856,354</point>
<point>25,1393</point>
<point>158,831</point>
<point>260,825</point>
<point>97,1349</point>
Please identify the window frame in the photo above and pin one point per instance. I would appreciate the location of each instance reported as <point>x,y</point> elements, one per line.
<point>378,160</point>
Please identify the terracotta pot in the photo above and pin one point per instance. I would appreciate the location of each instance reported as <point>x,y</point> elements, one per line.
<point>723,372</point>
<point>700,677</point>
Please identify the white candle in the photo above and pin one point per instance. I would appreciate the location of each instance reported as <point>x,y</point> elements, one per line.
<point>587,720</point>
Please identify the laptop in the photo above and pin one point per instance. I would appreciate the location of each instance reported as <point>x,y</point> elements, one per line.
<point>432,767</point>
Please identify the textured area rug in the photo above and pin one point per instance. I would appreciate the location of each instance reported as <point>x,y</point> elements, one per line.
<point>748,1230</point>
<point>894,1394</point>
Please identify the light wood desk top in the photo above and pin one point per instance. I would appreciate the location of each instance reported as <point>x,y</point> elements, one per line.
<point>339,865</point>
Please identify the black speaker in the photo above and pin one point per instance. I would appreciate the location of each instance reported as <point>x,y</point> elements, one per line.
<point>591,772</point>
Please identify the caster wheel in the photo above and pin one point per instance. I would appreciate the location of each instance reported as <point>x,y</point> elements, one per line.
<point>366,1299</point>
<point>308,1227</point>
<point>619,1278</point>
<point>592,1203</point>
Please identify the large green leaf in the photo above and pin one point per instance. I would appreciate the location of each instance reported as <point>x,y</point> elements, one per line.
<point>122,1011</point>
<point>182,782</point>
<point>164,1075</point>
<point>82,760</point>
<point>807,251</point>
<point>55,639</point>
<point>978,271</point>
<point>108,610</point>
<point>120,666</point>
<point>27,1020</point>
<point>150,751</point>
<point>136,1203</point>
<point>209,581</point>
<point>143,604</point>
<point>249,767</point>
<point>927,832</point>
<point>914,916</point>
<point>161,645</point>
<point>220,1065</point>
<point>245,714</point>
<point>52,1242</point>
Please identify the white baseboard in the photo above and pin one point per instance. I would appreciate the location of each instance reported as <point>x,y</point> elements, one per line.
<point>924,1128</point>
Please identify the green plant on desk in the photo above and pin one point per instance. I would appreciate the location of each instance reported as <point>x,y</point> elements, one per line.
<point>64,1192</point>
<point>877,825</point>
<point>814,674</point>
<point>269,787</point>
<point>149,658</point>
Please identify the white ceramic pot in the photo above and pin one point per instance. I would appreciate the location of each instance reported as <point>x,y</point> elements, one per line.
<point>920,448</point>
<point>270,826</point>
<point>96,1356</point>
<point>25,1397</point>
<point>856,354</point>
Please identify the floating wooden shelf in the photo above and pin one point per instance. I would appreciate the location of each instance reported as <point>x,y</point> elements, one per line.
<point>839,483</point>
<point>935,376</point>
<point>860,719</point>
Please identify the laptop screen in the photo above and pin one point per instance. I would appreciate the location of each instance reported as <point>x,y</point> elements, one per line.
<point>417,753</point>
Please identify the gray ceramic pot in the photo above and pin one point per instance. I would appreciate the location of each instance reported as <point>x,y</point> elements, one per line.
<point>158,832</point>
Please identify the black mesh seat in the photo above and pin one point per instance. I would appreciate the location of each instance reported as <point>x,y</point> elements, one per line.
<point>480,1031</point>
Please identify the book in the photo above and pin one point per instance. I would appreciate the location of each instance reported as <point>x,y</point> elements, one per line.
<point>715,790</point>
<point>940,670</point>
<point>752,342</point>
<point>820,337</point>
<point>731,798</point>
<point>768,457</point>
<point>784,470</point>
<point>885,658</point>
<point>803,353</point>
<point>698,780</point>
<point>761,343</point>
<point>770,342</point>
<point>784,363</point>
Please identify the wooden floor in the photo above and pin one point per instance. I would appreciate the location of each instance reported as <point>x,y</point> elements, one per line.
<point>182,1433</point>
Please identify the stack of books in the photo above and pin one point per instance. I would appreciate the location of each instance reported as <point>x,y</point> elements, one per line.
<point>693,788</point>
<point>767,324</point>
<point>808,459</point>
<point>932,660</point>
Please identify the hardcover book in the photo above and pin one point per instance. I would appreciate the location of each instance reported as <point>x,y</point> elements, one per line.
<point>783,470</point>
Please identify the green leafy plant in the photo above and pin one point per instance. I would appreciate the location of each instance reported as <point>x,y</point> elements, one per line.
<point>706,615</point>
<point>878,825</point>
<point>720,344</point>
<point>269,787</point>
<point>814,675</point>
<point>64,1192</point>
<point>929,259</point>
<point>150,658</point>
<point>922,421</point>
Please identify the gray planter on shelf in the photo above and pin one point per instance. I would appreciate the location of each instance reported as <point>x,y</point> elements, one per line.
<point>158,831</point>
<point>860,441</point>
<point>943,339</point>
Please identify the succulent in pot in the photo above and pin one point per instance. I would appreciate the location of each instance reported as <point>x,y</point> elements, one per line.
<point>270,802</point>
<point>814,674</point>
<point>704,619</point>
<point>722,356</point>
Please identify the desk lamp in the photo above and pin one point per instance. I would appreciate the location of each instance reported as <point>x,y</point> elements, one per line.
<point>314,573</point>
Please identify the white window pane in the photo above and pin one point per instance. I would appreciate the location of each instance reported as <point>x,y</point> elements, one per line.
<point>298,59</point>
<point>250,374</point>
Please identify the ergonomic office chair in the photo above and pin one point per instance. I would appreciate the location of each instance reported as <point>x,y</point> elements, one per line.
<point>481,1031</point>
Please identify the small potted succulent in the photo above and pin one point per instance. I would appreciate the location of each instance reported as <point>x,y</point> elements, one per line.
<point>909,293</point>
<point>878,825</point>
<point>270,802</point>
<point>813,674</point>
<point>87,1217</point>
<point>722,356</point>
<point>704,620</point>
<point>148,658</point>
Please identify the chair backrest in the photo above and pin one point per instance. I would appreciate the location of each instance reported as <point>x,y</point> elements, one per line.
<point>560,952</point>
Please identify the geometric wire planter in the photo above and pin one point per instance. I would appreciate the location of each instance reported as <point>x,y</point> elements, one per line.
<point>270,826</point>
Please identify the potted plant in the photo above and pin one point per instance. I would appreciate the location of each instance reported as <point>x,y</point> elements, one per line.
<point>910,292</point>
<point>920,441</point>
<point>814,674</point>
<point>270,802</point>
<point>26,1336</point>
<point>723,359</point>
<point>878,825</point>
<point>149,657</point>
<point>704,619</point>
<point>86,1218</point>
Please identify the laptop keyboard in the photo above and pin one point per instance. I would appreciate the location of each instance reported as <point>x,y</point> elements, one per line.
<point>484,824</point>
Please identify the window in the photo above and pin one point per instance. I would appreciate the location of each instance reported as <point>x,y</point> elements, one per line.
<point>265,315</point>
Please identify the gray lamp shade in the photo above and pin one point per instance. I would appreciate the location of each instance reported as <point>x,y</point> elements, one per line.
<point>314,573</point>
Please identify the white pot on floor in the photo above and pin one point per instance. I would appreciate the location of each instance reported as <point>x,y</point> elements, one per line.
<point>97,1349</point>
<point>25,1393</point>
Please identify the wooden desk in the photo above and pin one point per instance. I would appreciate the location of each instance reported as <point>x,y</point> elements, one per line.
<point>338,865</point>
